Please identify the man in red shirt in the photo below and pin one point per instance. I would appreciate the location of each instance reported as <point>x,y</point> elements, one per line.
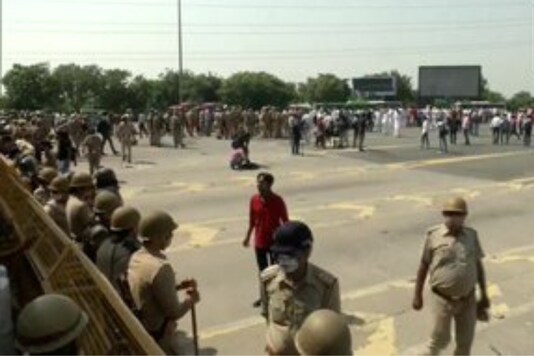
<point>267,212</point>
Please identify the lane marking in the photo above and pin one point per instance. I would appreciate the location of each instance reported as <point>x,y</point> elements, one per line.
<point>466,193</point>
<point>363,211</point>
<point>419,199</point>
<point>445,161</point>
<point>199,236</point>
<point>382,341</point>
<point>300,176</point>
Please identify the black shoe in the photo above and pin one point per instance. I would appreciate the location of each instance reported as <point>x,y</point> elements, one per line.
<point>257,303</point>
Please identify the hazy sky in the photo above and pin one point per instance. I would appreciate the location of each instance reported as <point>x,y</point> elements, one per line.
<point>294,39</point>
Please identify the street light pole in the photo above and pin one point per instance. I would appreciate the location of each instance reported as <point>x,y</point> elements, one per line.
<point>180,51</point>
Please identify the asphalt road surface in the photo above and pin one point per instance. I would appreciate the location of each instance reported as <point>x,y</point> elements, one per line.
<point>368,212</point>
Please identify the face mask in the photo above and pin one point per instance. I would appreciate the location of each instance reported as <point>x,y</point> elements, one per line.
<point>288,264</point>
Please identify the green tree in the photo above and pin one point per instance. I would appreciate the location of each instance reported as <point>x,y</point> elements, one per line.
<point>490,95</point>
<point>31,87</point>
<point>256,90</point>
<point>170,87</point>
<point>326,88</point>
<point>78,85</point>
<point>201,88</point>
<point>523,99</point>
<point>114,94</point>
<point>145,94</point>
<point>405,90</point>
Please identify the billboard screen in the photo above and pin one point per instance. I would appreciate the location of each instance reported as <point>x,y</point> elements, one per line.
<point>450,82</point>
<point>381,86</point>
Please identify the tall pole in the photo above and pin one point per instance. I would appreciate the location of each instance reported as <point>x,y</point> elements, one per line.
<point>180,51</point>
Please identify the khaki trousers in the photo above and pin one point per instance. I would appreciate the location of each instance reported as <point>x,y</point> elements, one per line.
<point>464,313</point>
<point>126,150</point>
<point>94,162</point>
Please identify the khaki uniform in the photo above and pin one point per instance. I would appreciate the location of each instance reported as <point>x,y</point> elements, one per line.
<point>286,306</point>
<point>113,257</point>
<point>153,285</point>
<point>57,212</point>
<point>93,144</point>
<point>153,130</point>
<point>75,129</point>
<point>177,128</point>
<point>453,273</point>
<point>126,133</point>
<point>80,218</point>
<point>42,195</point>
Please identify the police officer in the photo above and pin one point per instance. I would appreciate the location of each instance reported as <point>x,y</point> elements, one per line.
<point>114,254</point>
<point>177,128</point>
<point>44,177</point>
<point>452,255</point>
<point>126,133</point>
<point>106,180</point>
<point>92,145</point>
<point>50,325</point>
<point>324,332</point>
<point>294,288</point>
<point>55,207</point>
<point>105,204</point>
<point>79,213</point>
<point>153,284</point>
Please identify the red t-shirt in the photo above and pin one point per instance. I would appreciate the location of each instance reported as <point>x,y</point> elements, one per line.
<point>266,217</point>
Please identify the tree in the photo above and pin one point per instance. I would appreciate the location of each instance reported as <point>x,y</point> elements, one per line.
<point>405,91</point>
<point>489,95</point>
<point>145,94</point>
<point>31,87</point>
<point>201,88</point>
<point>256,90</point>
<point>114,94</point>
<point>77,84</point>
<point>326,88</point>
<point>523,99</point>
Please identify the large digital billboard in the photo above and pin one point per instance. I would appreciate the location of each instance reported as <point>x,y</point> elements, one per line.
<point>377,86</point>
<point>461,82</point>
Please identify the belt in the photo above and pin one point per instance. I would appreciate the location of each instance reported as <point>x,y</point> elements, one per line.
<point>452,298</point>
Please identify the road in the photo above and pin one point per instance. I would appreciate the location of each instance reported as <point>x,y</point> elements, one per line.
<point>368,212</point>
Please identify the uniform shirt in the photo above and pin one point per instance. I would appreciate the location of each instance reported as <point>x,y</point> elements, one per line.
<point>452,260</point>
<point>153,286</point>
<point>266,216</point>
<point>126,132</point>
<point>57,212</point>
<point>113,257</point>
<point>93,144</point>
<point>286,305</point>
<point>79,217</point>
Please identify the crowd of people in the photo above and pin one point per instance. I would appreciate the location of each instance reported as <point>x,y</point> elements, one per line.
<point>58,141</point>
<point>129,249</point>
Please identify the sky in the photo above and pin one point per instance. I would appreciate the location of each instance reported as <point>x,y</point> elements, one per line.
<point>293,39</point>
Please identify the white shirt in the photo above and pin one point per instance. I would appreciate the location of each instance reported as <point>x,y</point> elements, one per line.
<point>426,127</point>
<point>495,122</point>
